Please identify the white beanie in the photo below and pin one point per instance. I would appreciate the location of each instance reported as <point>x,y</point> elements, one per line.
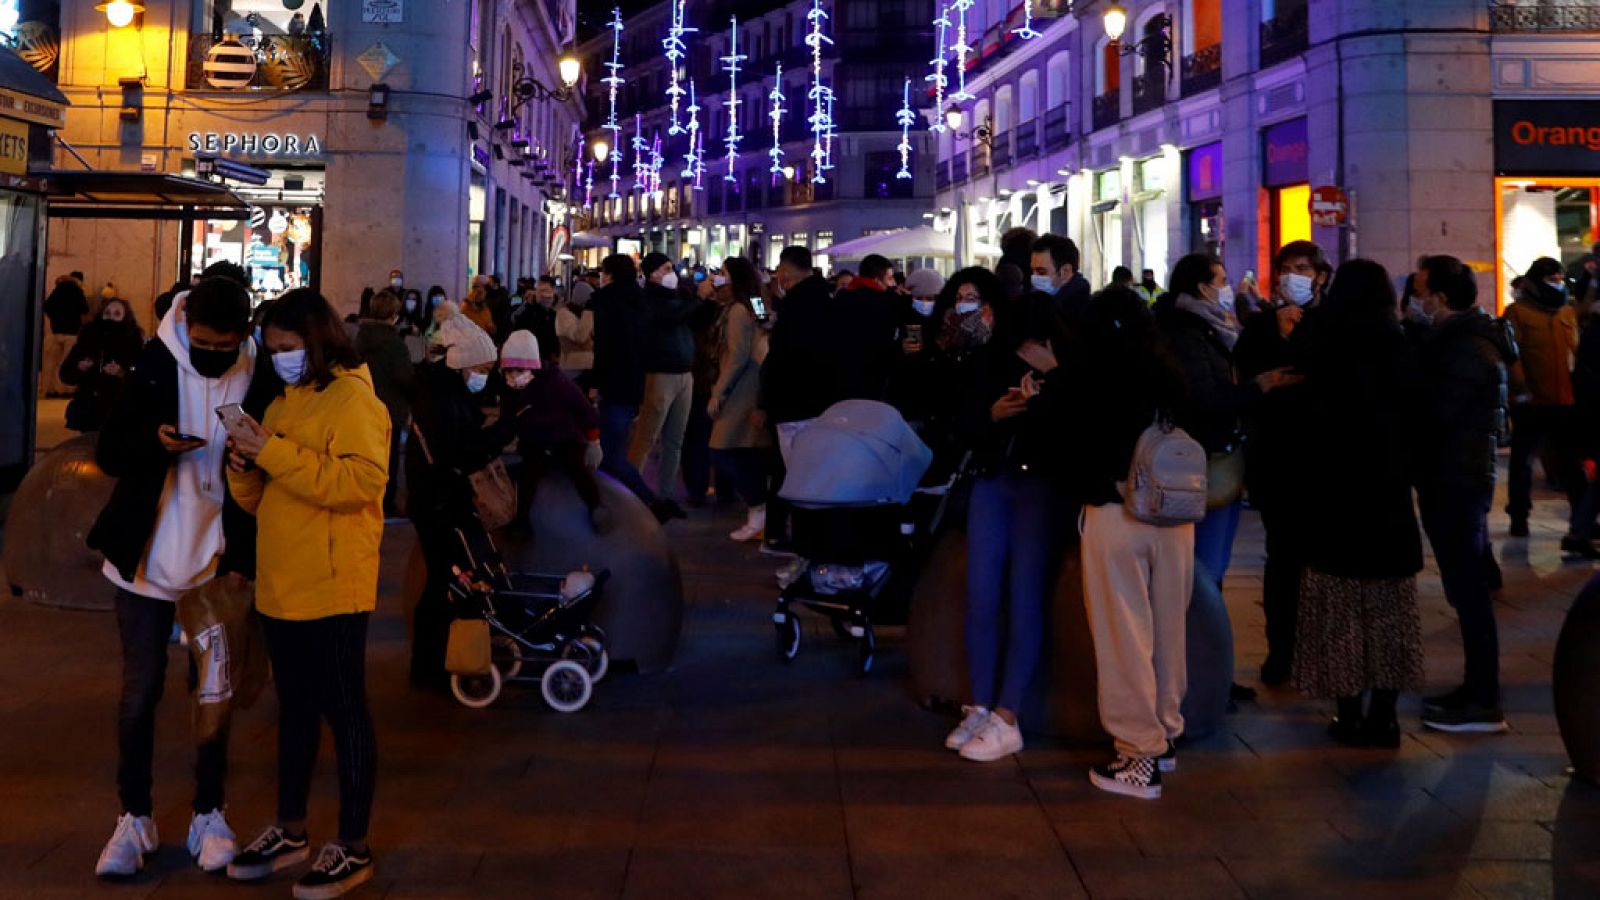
<point>467,344</point>
<point>521,352</point>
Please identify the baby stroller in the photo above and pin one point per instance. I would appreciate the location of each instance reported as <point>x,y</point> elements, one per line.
<point>853,475</point>
<point>537,626</point>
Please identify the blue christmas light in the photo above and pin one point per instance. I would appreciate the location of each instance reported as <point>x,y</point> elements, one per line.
<point>940,81</point>
<point>613,81</point>
<point>1026,32</point>
<point>821,97</point>
<point>961,49</point>
<point>675,48</point>
<point>655,163</point>
<point>693,159</point>
<point>777,121</point>
<point>588,187</point>
<point>730,64</point>
<point>906,118</point>
<point>641,165</point>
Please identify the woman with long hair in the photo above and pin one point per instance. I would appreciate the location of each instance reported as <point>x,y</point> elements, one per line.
<point>739,440</point>
<point>98,364</point>
<point>313,474</point>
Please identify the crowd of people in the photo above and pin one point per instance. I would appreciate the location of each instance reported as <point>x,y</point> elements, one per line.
<point>1031,388</point>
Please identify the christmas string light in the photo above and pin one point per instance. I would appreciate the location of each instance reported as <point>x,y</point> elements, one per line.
<point>690,157</point>
<point>641,166</point>
<point>939,79</point>
<point>1026,32</point>
<point>588,187</point>
<point>961,50</point>
<point>614,80</point>
<point>731,66</point>
<point>777,121</point>
<point>675,47</point>
<point>906,118</point>
<point>655,163</point>
<point>821,97</point>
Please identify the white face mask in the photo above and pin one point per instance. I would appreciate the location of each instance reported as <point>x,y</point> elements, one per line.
<point>396,282</point>
<point>519,381</point>
<point>967,307</point>
<point>1225,297</point>
<point>477,381</point>
<point>290,365</point>
<point>1044,283</point>
<point>1296,287</point>
<point>924,308</point>
<point>411,306</point>
<point>718,281</point>
<point>670,281</point>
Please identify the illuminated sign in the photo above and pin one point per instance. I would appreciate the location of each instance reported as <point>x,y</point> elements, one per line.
<point>1547,137</point>
<point>29,108</point>
<point>255,143</point>
<point>13,147</point>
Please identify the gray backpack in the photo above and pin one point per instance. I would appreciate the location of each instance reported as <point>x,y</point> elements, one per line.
<point>1167,480</point>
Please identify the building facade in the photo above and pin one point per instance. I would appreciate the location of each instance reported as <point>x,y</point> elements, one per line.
<point>753,203</point>
<point>389,131</point>
<point>1211,122</point>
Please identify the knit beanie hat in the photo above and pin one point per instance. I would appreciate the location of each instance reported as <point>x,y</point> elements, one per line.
<point>924,283</point>
<point>521,352</point>
<point>652,262</point>
<point>466,344</point>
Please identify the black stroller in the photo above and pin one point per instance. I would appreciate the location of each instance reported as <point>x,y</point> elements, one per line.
<point>860,523</point>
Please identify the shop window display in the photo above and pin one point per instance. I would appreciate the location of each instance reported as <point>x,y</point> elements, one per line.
<point>256,45</point>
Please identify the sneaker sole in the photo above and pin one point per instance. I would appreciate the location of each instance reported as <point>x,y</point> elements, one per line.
<point>107,873</point>
<point>213,867</point>
<point>329,891</point>
<point>1113,786</point>
<point>972,757</point>
<point>1468,727</point>
<point>268,869</point>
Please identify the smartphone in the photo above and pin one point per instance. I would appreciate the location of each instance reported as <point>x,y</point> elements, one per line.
<point>232,416</point>
<point>699,275</point>
<point>759,305</point>
<point>914,332</point>
<point>180,436</point>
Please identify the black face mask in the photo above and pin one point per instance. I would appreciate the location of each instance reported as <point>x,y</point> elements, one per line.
<point>212,363</point>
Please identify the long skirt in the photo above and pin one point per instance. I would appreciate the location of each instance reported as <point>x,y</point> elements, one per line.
<point>1355,635</point>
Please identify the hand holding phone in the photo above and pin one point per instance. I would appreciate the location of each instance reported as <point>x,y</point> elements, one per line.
<point>176,442</point>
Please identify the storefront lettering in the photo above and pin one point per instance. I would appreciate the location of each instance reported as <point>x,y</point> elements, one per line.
<point>1525,132</point>
<point>253,143</point>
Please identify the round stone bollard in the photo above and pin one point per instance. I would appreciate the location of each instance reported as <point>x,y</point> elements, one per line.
<point>1575,682</point>
<point>46,559</point>
<point>641,607</point>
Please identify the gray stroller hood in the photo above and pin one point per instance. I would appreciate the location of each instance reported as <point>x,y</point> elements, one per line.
<point>858,453</point>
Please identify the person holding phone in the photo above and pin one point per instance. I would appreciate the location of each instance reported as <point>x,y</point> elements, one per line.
<point>169,528</point>
<point>313,474</point>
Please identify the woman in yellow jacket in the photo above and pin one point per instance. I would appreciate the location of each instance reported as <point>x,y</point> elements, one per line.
<point>313,473</point>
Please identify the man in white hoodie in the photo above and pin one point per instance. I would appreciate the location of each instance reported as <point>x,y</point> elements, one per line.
<point>169,528</point>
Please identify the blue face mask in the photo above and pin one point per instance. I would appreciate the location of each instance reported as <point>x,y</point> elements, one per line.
<point>1044,283</point>
<point>477,381</point>
<point>290,365</point>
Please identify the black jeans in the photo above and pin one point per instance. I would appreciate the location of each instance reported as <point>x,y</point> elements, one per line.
<point>430,623</point>
<point>697,449</point>
<point>1531,428</point>
<point>145,625</point>
<point>320,670</point>
<point>1280,595</point>
<point>1457,523</point>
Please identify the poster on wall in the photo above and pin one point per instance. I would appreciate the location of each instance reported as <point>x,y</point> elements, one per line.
<point>383,11</point>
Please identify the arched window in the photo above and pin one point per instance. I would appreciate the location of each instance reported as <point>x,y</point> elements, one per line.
<point>1004,108</point>
<point>980,115</point>
<point>1148,34</point>
<point>1058,84</point>
<point>1028,96</point>
<point>1107,67</point>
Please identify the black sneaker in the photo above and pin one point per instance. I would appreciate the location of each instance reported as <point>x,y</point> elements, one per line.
<point>1581,547</point>
<point>1275,671</point>
<point>274,851</point>
<point>1467,718</point>
<point>1130,776</point>
<point>1168,761</point>
<point>337,871</point>
<point>1447,700</point>
<point>1519,528</point>
<point>1349,732</point>
<point>1381,733</point>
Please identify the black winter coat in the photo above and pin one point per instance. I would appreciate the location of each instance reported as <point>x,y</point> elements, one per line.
<point>809,365</point>
<point>99,343</point>
<point>669,347</point>
<point>451,420</point>
<point>1273,424</point>
<point>66,307</point>
<point>621,336</point>
<point>1464,369</point>
<point>1214,400</point>
<point>541,323</point>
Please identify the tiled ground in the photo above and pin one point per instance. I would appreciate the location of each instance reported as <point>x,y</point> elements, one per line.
<point>733,777</point>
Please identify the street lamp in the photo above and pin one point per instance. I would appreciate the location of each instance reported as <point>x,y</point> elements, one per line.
<point>982,133</point>
<point>1116,22</point>
<point>120,13</point>
<point>570,69</point>
<point>1155,46</point>
<point>601,151</point>
<point>528,88</point>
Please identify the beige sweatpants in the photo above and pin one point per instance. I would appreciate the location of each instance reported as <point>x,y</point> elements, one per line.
<point>1137,580</point>
<point>56,348</point>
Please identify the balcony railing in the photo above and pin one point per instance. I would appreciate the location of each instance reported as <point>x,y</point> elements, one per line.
<point>1055,127</point>
<point>941,176</point>
<point>1107,109</point>
<point>283,62</point>
<point>958,168</point>
<point>1554,16</point>
<point>1150,90</point>
<point>1001,154</point>
<point>1028,139</point>
<point>980,162</point>
<point>1285,37</point>
<point>1203,70</point>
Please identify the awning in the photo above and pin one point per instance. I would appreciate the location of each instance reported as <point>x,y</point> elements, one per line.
<point>905,243</point>
<point>27,95</point>
<point>77,194</point>
<point>590,239</point>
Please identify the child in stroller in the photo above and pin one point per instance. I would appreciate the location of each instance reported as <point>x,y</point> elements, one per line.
<point>853,477</point>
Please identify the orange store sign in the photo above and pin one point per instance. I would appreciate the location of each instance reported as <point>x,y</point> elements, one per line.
<point>1547,137</point>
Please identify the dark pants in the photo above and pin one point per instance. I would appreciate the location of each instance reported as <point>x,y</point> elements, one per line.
<point>567,459</point>
<point>697,449</point>
<point>320,670</point>
<point>616,427</point>
<point>1532,427</point>
<point>1457,524</point>
<point>145,625</point>
<point>430,623</point>
<point>744,471</point>
<point>392,489</point>
<point>778,509</point>
<point>1013,529</point>
<point>1280,595</point>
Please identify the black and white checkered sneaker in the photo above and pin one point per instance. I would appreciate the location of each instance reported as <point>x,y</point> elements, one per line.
<point>1131,776</point>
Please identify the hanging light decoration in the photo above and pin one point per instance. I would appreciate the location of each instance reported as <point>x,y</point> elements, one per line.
<point>961,50</point>
<point>691,158</point>
<point>588,187</point>
<point>656,160</point>
<point>821,98</point>
<point>1026,32</point>
<point>641,165</point>
<point>675,48</point>
<point>940,81</point>
<point>613,81</point>
<point>777,121</point>
<point>906,118</point>
<point>730,64</point>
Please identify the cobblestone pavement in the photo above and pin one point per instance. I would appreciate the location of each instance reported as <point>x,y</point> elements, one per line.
<point>733,777</point>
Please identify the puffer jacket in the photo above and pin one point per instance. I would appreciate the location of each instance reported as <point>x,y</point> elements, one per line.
<point>1547,333</point>
<point>1215,400</point>
<point>1464,369</point>
<point>317,494</point>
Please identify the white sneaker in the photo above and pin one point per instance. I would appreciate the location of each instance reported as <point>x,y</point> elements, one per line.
<point>755,525</point>
<point>211,842</point>
<point>975,718</point>
<point>125,852</point>
<point>997,739</point>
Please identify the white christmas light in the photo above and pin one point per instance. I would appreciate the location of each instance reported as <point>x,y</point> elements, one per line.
<point>940,25</point>
<point>655,163</point>
<point>691,157</point>
<point>777,121</point>
<point>821,98</point>
<point>961,50</point>
<point>906,118</point>
<point>1026,32</point>
<point>588,187</point>
<point>613,81</point>
<point>641,165</point>
<point>675,49</point>
<point>730,64</point>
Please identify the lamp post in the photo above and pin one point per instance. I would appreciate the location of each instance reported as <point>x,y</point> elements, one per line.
<point>602,151</point>
<point>528,88</point>
<point>1155,46</point>
<point>982,133</point>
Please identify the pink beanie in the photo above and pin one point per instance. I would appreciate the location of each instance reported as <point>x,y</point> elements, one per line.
<point>521,352</point>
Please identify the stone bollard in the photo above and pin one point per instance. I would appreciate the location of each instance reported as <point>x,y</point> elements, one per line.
<point>46,559</point>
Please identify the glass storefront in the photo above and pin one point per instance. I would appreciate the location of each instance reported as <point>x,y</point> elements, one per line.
<point>1107,221</point>
<point>21,237</point>
<point>1534,217</point>
<point>279,245</point>
<point>1203,191</point>
<point>1288,182</point>
<point>1150,215</point>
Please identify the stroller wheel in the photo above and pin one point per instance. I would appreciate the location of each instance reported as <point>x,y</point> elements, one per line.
<point>592,654</point>
<point>506,654</point>
<point>869,649</point>
<point>476,691</point>
<point>788,643</point>
<point>567,686</point>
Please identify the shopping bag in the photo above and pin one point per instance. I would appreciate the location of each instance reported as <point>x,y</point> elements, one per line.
<point>494,494</point>
<point>467,652</point>
<point>228,648</point>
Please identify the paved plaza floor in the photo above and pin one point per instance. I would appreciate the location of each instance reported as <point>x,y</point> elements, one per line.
<point>731,776</point>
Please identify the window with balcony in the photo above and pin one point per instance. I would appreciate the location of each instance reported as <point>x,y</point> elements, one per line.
<point>1108,85</point>
<point>1201,63</point>
<point>258,45</point>
<point>1285,30</point>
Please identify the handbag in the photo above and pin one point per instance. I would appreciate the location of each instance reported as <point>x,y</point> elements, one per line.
<point>1224,477</point>
<point>467,651</point>
<point>494,494</point>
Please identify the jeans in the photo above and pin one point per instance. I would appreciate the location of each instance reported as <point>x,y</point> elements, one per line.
<point>744,471</point>
<point>320,670</point>
<point>1013,529</point>
<point>616,423</point>
<point>145,626</point>
<point>697,462</point>
<point>1213,540</point>
<point>664,416</point>
<point>1457,524</point>
<point>1531,428</point>
<point>1280,590</point>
